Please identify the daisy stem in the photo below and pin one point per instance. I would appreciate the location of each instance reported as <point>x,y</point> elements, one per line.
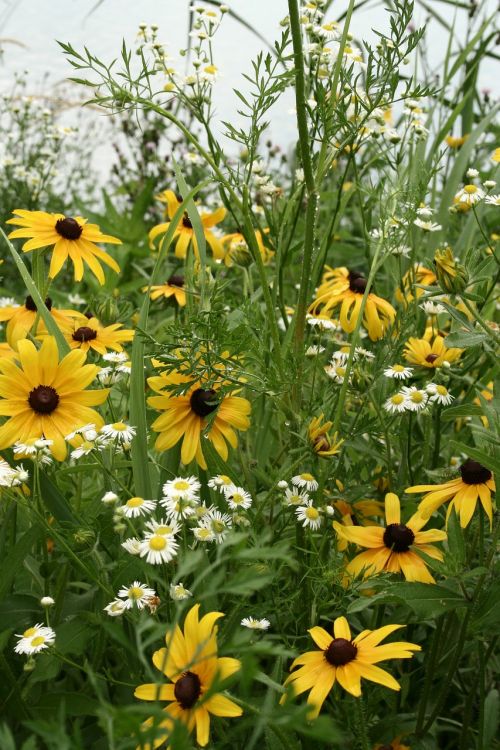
<point>360,724</point>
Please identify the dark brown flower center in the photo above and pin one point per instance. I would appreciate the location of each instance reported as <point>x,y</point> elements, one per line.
<point>398,537</point>
<point>431,358</point>
<point>187,690</point>
<point>473,473</point>
<point>340,652</point>
<point>84,333</point>
<point>186,222</point>
<point>69,228</point>
<point>30,303</point>
<point>176,280</point>
<point>204,402</point>
<point>357,282</point>
<point>43,399</point>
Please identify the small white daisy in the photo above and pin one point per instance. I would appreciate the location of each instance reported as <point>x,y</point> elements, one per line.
<point>237,498</point>
<point>158,549</point>
<point>117,358</point>
<point>427,226</point>
<point>306,481</point>
<point>178,592</point>
<point>489,184</point>
<point>138,506</point>
<point>472,173</point>
<point>282,484</point>
<point>203,534</point>
<point>218,523</point>
<point>336,372</point>
<point>432,307</point>
<point>137,594</point>
<point>47,601</point>
<point>177,508</point>
<point>34,640</point>
<point>163,527</point>
<point>220,482</point>
<point>493,200</point>
<point>309,515</point>
<point>116,608</point>
<point>254,624</point>
<point>119,431</point>
<point>396,404</point>
<point>8,475</point>
<point>415,399</point>
<point>109,498</point>
<point>469,195</point>
<point>88,431</point>
<point>314,350</point>
<point>439,394</point>
<point>324,324</point>
<point>132,545</point>
<point>295,497</point>
<point>400,372</point>
<point>186,488</point>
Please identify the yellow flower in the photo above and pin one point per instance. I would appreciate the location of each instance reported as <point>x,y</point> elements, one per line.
<point>22,318</point>
<point>185,416</point>
<point>495,156</point>
<point>413,278</point>
<point>394,745</point>
<point>237,251</point>
<point>193,668</point>
<point>174,287</point>
<point>393,548</point>
<point>422,352</point>
<point>322,443</point>
<point>345,660</point>
<point>344,288</point>
<point>184,232</point>
<point>474,483</point>
<point>455,141</point>
<point>357,514</point>
<point>72,238</point>
<point>93,335</point>
<point>46,398</point>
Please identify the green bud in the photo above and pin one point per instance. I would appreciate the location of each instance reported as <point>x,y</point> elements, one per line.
<point>452,276</point>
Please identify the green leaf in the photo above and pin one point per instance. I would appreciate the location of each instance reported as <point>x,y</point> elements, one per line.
<point>12,563</point>
<point>491,712</point>
<point>427,600</point>
<point>56,503</point>
<point>465,340</point>
<point>492,463</point>
<point>462,410</point>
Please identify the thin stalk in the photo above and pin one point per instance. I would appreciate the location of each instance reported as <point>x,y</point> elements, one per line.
<point>360,726</point>
<point>480,321</point>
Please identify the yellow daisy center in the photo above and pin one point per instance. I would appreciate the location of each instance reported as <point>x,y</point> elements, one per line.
<point>135,592</point>
<point>397,399</point>
<point>37,641</point>
<point>398,368</point>
<point>442,390</point>
<point>119,426</point>
<point>307,477</point>
<point>135,502</point>
<point>311,513</point>
<point>157,543</point>
<point>28,633</point>
<point>470,189</point>
<point>163,530</point>
<point>181,485</point>
<point>416,397</point>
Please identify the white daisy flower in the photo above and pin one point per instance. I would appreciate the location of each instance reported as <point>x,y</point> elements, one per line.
<point>336,372</point>
<point>119,431</point>
<point>402,250</point>
<point>309,515</point>
<point>427,226</point>
<point>124,369</point>
<point>400,372</point>
<point>132,545</point>
<point>109,498</point>
<point>439,394</point>
<point>116,608</point>
<point>396,404</point>
<point>493,200</point>
<point>178,508</point>
<point>108,376</point>
<point>8,475</point>
<point>203,534</point>
<point>76,299</point>
<point>178,592</point>
<point>254,624</point>
<point>295,497</point>
<point>137,594</point>
<point>186,488</point>
<point>218,523</point>
<point>163,527</point>
<point>469,195</point>
<point>158,549</point>
<point>32,447</point>
<point>314,350</point>
<point>306,481</point>
<point>138,506</point>
<point>324,324</point>
<point>432,307</point>
<point>237,498</point>
<point>34,640</point>
<point>220,482</point>
<point>339,357</point>
<point>425,211</point>
<point>8,302</point>
<point>415,399</point>
<point>472,173</point>
<point>116,358</point>
<point>282,484</point>
<point>47,601</point>
<point>88,432</point>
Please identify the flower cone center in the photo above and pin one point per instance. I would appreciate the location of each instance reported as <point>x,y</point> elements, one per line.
<point>186,222</point>
<point>431,358</point>
<point>357,282</point>
<point>474,473</point>
<point>176,280</point>
<point>340,652</point>
<point>84,333</point>
<point>43,399</point>
<point>68,228</point>
<point>187,690</point>
<point>31,306</point>
<point>204,402</point>
<point>398,537</point>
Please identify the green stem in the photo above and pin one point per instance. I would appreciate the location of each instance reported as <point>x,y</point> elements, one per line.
<point>360,726</point>
<point>480,321</point>
<point>430,670</point>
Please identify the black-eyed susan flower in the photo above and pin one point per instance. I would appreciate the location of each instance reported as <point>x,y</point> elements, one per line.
<point>360,513</point>
<point>322,442</point>
<point>430,354</point>
<point>345,660</point>
<point>91,334</point>
<point>474,483</point>
<point>414,279</point>
<point>184,232</point>
<point>71,237</point>
<point>343,288</point>
<point>236,250</point>
<point>172,288</point>
<point>186,416</point>
<point>45,397</point>
<point>194,671</point>
<point>21,319</point>
<point>393,745</point>
<point>451,276</point>
<point>393,548</point>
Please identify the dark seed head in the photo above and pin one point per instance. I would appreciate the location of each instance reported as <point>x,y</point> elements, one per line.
<point>187,690</point>
<point>204,402</point>
<point>398,537</point>
<point>30,303</point>
<point>43,399</point>
<point>357,282</point>
<point>69,228</point>
<point>176,280</point>
<point>179,197</point>
<point>186,222</point>
<point>340,652</point>
<point>473,473</point>
<point>431,358</point>
<point>85,333</point>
